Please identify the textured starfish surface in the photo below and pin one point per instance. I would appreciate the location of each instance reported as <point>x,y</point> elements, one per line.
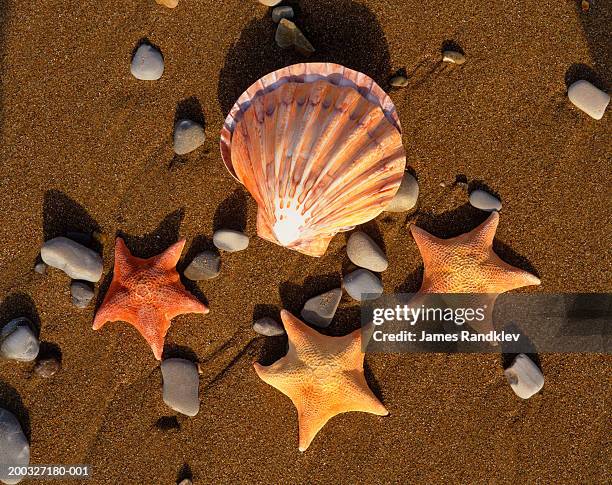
<point>468,264</point>
<point>147,293</point>
<point>322,375</point>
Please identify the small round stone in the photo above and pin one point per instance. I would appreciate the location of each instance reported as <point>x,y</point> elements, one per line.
<point>406,196</point>
<point>18,341</point>
<point>453,57</point>
<point>188,135</point>
<point>284,12</point>
<point>230,240</point>
<point>268,326</point>
<point>362,285</point>
<point>204,266</point>
<point>40,267</point>
<point>81,292</point>
<point>47,367</point>
<point>320,310</point>
<point>484,201</point>
<point>147,63</point>
<point>399,81</point>
<point>588,98</point>
<point>363,251</point>
<point>14,447</point>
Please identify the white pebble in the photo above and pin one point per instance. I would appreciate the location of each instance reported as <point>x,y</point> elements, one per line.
<point>270,3</point>
<point>14,447</point>
<point>586,97</point>
<point>18,341</point>
<point>406,196</point>
<point>147,63</point>
<point>180,385</point>
<point>453,57</point>
<point>74,259</point>
<point>188,135</point>
<point>268,326</point>
<point>484,201</point>
<point>362,285</point>
<point>363,251</point>
<point>524,377</point>
<point>230,240</point>
<point>279,13</point>
<point>320,310</point>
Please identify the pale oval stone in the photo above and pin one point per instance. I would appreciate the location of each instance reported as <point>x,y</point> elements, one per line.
<point>18,341</point>
<point>320,310</point>
<point>14,446</point>
<point>167,3</point>
<point>204,266</point>
<point>484,201</point>
<point>363,251</point>
<point>180,385</point>
<point>284,12</point>
<point>230,240</point>
<point>270,3</point>
<point>406,196</point>
<point>524,377</point>
<point>268,326</point>
<point>188,135</point>
<point>399,81</point>
<point>453,57</point>
<point>362,285</point>
<point>586,97</point>
<point>147,63</point>
<point>74,259</point>
<point>81,293</point>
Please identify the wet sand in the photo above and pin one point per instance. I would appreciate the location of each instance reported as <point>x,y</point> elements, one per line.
<point>85,146</point>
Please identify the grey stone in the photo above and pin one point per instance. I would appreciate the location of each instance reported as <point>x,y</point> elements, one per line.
<point>74,259</point>
<point>268,326</point>
<point>230,240</point>
<point>362,285</point>
<point>399,81</point>
<point>18,341</point>
<point>40,267</point>
<point>180,385</point>
<point>188,135</point>
<point>82,293</point>
<point>284,12</point>
<point>363,251</point>
<point>453,57</point>
<point>204,266</point>
<point>288,34</point>
<point>147,63</point>
<point>47,367</point>
<point>586,97</point>
<point>320,310</point>
<point>524,377</point>
<point>484,201</point>
<point>406,196</point>
<point>14,446</point>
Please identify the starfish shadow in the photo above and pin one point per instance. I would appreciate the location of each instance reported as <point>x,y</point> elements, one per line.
<point>413,281</point>
<point>62,216</point>
<point>373,382</point>
<point>256,53</point>
<point>232,212</point>
<point>11,401</point>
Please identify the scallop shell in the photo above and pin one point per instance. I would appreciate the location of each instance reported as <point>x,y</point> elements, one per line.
<point>319,157</point>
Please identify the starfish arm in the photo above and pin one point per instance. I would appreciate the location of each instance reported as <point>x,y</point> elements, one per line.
<point>359,397</point>
<point>125,263</point>
<point>428,244</point>
<point>483,235</point>
<point>509,277</point>
<point>314,410</point>
<point>153,326</point>
<point>115,307</point>
<point>169,258</point>
<point>177,300</point>
<point>302,338</point>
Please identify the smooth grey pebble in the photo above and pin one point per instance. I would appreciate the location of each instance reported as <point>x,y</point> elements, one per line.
<point>362,285</point>
<point>363,251</point>
<point>320,310</point>
<point>268,326</point>
<point>181,383</point>
<point>484,201</point>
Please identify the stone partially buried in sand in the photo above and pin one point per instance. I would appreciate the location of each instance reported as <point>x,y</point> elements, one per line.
<point>168,3</point>
<point>204,266</point>
<point>586,97</point>
<point>147,63</point>
<point>320,310</point>
<point>364,252</point>
<point>74,259</point>
<point>14,446</point>
<point>524,377</point>
<point>81,293</point>
<point>188,135</point>
<point>362,285</point>
<point>406,196</point>
<point>230,240</point>
<point>180,385</point>
<point>18,341</point>
<point>268,326</point>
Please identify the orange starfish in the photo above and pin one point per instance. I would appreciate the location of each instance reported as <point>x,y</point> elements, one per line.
<point>322,375</point>
<point>147,293</point>
<point>468,264</point>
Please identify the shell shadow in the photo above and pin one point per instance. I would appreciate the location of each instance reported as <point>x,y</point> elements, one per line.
<point>342,31</point>
<point>62,216</point>
<point>232,212</point>
<point>19,305</point>
<point>11,401</point>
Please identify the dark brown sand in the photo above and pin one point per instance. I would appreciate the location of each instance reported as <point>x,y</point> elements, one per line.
<point>86,146</point>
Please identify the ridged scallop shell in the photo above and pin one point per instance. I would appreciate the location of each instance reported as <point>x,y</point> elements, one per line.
<point>319,157</point>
